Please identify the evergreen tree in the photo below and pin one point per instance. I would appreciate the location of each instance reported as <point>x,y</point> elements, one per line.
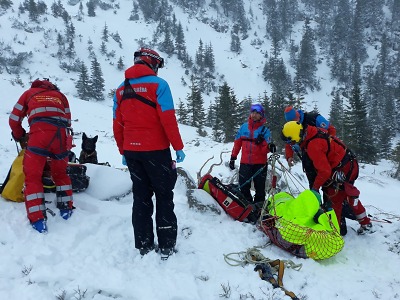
<point>336,115</point>
<point>180,45</point>
<point>209,59</point>
<point>357,128</point>
<point>274,23</point>
<point>83,85</point>
<point>277,105</point>
<point>182,113</point>
<point>57,9</point>
<point>227,119</point>
<point>5,4</point>
<point>61,46</point>
<point>168,45</point>
<point>116,37</point>
<point>90,48</point>
<point>91,6</point>
<point>195,105</point>
<point>211,115</point>
<point>236,46</point>
<point>80,12</point>
<point>199,58</point>
<point>306,66</point>
<point>97,80</point>
<point>32,9</point>
<point>120,64</point>
<point>338,47</point>
<point>396,160</point>
<point>395,22</point>
<point>134,12</point>
<point>105,34</point>
<point>277,75</point>
<point>103,48</point>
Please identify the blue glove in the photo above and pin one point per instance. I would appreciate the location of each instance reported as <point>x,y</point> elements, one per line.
<point>318,195</point>
<point>123,160</point>
<point>180,156</point>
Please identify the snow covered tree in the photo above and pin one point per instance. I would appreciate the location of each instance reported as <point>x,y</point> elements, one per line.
<point>97,80</point>
<point>306,66</point>
<point>83,84</point>
<point>195,105</point>
<point>227,119</point>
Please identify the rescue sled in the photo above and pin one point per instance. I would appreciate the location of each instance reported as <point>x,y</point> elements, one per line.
<point>299,225</point>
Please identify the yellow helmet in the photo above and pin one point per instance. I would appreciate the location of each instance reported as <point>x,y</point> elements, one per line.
<point>292,132</point>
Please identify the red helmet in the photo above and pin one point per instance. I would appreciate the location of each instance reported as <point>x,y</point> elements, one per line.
<point>44,84</point>
<point>150,58</point>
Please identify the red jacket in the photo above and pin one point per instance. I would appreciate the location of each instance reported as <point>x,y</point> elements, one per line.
<point>245,140</point>
<point>138,126</point>
<point>38,103</point>
<point>289,150</point>
<point>324,154</point>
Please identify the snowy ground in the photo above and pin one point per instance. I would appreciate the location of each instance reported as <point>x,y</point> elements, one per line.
<point>92,255</point>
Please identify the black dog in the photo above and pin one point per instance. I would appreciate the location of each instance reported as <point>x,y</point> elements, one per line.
<point>88,153</point>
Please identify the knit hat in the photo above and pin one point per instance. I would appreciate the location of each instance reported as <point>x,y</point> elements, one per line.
<point>258,108</point>
<point>291,114</point>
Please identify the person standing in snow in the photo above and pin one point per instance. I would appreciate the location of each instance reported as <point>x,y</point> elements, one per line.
<point>49,119</point>
<point>254,139</point>
<point>144,125</point>
<point>329,165</point>
<point>305,118</point>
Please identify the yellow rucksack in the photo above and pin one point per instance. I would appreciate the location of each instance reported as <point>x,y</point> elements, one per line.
<point>13,186</point>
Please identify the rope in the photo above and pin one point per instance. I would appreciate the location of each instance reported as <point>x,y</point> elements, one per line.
<point>254,256</point>
<point>389,216</point>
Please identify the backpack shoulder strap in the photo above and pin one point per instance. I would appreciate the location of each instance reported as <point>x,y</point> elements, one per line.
<point>322,135</point>
<point>129,93</point>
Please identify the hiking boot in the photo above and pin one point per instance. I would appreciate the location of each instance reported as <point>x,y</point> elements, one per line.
<point>365,229</point>
<point>143,251</point>
<point>167,252</point>
<point>40,226</point>
<point>66,213</point>
<point>343,226</point>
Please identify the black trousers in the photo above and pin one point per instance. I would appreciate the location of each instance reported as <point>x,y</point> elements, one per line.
<point>246,171</point>
<point>153,172</point>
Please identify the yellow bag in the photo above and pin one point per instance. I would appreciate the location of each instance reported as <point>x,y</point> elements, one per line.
<point>13,187</point>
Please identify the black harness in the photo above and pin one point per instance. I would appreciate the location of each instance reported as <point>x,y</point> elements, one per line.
<point>129,93</point>
<point>308,166</point>
<point>260,137</point>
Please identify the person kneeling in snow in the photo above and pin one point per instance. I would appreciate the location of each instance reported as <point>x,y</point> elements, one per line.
<point>329,164</point>
<point>49,117</point>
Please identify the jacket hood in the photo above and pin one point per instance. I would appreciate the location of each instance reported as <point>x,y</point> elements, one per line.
<point>139,70</point>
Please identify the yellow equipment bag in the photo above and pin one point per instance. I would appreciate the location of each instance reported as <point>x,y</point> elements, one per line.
<point>13,187</point>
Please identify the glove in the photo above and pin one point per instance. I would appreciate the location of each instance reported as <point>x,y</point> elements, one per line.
<point>124,160</point>
<point>23,140</point>
<point>318,195</point>
<point>232,163</point>
<point>290,162</point>
<point>272,147</point>
<point>180,156</point>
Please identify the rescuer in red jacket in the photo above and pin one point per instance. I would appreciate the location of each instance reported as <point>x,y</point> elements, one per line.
<point>145,126</point>
<point>329,165</point>
<point>49,119</point>
<point>305,119</point>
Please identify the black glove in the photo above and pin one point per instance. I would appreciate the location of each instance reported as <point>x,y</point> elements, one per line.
<point>23,140</point>
<point>232,163</point>
<point>272,147</point>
